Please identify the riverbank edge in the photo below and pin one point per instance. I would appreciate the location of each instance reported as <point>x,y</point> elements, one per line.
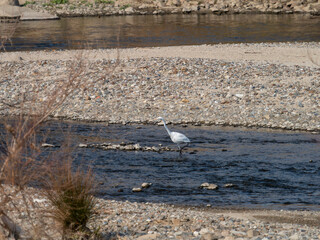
<point>100,8</point>
<point>181,123</point>
<point>184,123</point>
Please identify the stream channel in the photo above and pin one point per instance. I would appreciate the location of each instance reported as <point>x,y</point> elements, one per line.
<point>163,30</point>
<point>268,168</point>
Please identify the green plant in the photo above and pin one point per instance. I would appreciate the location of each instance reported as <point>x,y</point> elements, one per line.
<point>59,1</point>
<point>29,3</point>
<point>104,1</point>
<point>124,6</point>
<point>47,5</point>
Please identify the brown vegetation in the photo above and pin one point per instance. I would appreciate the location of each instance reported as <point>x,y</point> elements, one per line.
<point>22,162</point>
<point>71,195</point>
<point>8,27</point>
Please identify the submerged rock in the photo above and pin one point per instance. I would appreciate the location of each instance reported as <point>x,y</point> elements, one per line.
<point>229,185</point>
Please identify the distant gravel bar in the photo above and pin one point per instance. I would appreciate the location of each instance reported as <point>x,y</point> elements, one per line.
<point>270,85</point>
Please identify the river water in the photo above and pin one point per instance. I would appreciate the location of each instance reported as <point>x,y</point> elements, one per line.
<point>269,168</point>
<point>158,30</point>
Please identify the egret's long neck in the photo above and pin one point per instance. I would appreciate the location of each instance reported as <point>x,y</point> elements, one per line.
<point>165,126</point>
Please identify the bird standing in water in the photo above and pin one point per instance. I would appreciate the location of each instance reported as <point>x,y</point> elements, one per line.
<point>177,138</point>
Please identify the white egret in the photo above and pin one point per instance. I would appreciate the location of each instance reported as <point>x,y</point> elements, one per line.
<point>177,138</point>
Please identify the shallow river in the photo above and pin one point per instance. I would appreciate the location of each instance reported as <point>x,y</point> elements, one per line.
<point>167,30</point>
<point>269,168</point>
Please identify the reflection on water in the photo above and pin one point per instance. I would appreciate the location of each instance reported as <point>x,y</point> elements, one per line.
<point>157,30</point>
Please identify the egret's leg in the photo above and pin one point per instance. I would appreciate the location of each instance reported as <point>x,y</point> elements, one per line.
<point>180,149</point>
<point>187,144</point>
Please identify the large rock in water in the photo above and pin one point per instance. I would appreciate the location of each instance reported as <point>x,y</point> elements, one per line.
<point>12,9</point>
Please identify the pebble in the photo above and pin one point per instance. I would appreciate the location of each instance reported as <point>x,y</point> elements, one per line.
<point>209,186</point>
<point>146,185</point>
<point>48,145</point>
<point>229,185</point>
<point>136,189</point>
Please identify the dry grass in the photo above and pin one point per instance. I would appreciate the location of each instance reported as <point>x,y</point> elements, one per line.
<point>22,149</point>
<point>22,162</point>
<point>8,27</point>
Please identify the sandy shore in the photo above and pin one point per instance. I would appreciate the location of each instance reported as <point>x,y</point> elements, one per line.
<point>290,54</point>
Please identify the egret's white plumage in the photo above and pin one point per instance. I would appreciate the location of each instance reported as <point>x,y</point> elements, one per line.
<point>177,138</point>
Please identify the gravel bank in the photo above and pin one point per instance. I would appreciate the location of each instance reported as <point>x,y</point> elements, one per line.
<point>159,221</point>
<point>145,221</point>
<point>254,85</point>
<point>75,8</point>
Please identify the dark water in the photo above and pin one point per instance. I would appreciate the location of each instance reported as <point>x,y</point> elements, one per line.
<point>270,169</point>
<point>146,31</point>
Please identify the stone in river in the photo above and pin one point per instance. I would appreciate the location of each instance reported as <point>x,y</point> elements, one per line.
<point>146,185</point>
<point>136,189</point>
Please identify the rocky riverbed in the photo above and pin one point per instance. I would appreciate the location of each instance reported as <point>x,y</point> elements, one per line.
<point>128,220</point>
<point>145,221</point>
<point>253,85</point>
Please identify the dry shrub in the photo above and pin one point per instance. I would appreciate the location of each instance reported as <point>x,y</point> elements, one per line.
<point>22,161</point>
<point>22,164</point>
<point>19,161</point>
<point>8,27</point>
<point>71,194</point>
